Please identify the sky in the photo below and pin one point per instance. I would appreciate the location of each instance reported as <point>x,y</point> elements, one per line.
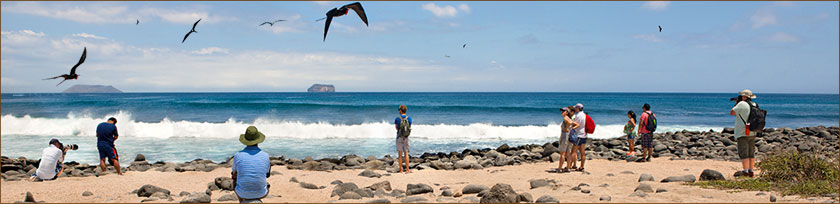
<point>723,47</point>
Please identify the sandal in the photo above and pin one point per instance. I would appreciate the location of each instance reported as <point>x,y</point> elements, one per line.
<point>565,170</point>
<point>580,169</point>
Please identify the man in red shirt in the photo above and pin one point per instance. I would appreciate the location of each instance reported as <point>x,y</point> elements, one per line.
<point>646,136</point>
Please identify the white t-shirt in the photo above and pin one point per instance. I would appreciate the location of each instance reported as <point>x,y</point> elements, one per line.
<point>580,118</point>
<point>49,160</point>
<point>742,111</point>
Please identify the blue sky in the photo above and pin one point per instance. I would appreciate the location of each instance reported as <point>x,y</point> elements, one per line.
<point>779,47</point>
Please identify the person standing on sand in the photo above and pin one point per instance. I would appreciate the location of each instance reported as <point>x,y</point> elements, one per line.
<point>628,130</point>
<point>746,141</point>
<point>580,144</point>
<point>403,125</point>
<point>106,134</point>
<point>645,135</point>
<point>566,146</point>
<point>50,167</point>
<point>251,167</point>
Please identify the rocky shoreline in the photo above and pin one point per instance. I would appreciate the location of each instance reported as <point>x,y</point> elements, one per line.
<point>683,145</point>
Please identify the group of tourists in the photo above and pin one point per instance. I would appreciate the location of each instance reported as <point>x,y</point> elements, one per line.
<point>251,166</point>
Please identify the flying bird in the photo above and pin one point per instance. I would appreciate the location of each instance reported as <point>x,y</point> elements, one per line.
<point>191,31</point>
<point>271,23</point>
<point>72,74</point>
<point>464,46</point>
<point>336,12</point>
<point>138,22</point>
<point>447,56</point>
<point>660,29</point>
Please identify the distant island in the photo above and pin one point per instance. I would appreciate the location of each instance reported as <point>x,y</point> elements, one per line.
<point>321,88</point>
<point>81,88</point>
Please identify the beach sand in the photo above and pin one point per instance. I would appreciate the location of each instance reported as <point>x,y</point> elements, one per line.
<point>114,188</point>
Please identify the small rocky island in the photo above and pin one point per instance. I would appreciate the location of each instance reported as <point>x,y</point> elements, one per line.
<point>321,88</point>
<point>82,88</point>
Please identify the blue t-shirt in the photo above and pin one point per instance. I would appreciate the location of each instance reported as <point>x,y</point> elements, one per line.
<point>399,119</point>
<point>106,132</point>
<point>251,166</point>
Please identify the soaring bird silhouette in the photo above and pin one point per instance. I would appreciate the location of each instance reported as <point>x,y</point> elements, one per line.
<point>271,23</point>
<point>336,12</point>
<point>191,31</point>
<point>447,56</point>
<point>72,74</point>
<point>660,29</point>
<point>464,46</point>
<point>138,22</point>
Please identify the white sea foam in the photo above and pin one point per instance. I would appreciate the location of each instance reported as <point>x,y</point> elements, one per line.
<point>85,126</point>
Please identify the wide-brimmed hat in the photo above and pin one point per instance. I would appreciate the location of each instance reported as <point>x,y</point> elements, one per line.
<point>747,93</point>
<point>251,136</point>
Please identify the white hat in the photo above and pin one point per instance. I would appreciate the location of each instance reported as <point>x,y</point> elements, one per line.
<point>579,106</point>
<point>747,93</point>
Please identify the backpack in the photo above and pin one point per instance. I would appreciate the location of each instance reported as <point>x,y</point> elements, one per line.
<point>651,122</point>
<point>590,125</point>
<point>405,127</point>
<point>755,118</point>
<point>573,136</point>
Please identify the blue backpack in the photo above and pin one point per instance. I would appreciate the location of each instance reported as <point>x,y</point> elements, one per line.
<point>573,136</point>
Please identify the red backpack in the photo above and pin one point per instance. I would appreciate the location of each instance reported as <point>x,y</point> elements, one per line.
<point>590,125</point>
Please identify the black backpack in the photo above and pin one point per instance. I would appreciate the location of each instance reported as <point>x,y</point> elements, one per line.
<point>651,122</point>
<point>756,117</point>
<point>405,127</point>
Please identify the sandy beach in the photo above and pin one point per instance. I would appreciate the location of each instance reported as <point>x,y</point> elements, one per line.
<point>620,184</point>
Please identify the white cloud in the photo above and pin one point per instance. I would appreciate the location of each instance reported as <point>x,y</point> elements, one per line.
<point>465,8</point>
<point>441,11</point>
<point>763,17</point>
<point>22,36</point>
<point>783,37</point>
<point>211,50</point>
<point>656,5</point>
<point>96,12</point>
<point>648,37</point>
<point>86,35</point>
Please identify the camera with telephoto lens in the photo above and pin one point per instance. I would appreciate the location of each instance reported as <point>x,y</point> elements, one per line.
<point>72,147</point>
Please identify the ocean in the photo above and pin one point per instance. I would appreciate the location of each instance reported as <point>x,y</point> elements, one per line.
<point>178,127</point>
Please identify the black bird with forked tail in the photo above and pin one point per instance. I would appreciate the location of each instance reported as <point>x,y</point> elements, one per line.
<point>191,31</point>
<point>72,74</point>
<point>336,12</point>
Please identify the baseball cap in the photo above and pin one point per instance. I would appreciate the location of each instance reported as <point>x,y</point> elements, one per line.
<point>579,105</point>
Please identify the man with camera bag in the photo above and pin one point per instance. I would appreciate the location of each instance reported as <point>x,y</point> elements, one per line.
<point>51,158</point>
<point>745,137</point>
<point>106,133</point>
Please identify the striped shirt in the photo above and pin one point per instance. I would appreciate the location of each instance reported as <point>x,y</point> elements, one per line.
<point>251,166</point>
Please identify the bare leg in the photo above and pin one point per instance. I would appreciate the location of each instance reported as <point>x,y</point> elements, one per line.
<point>400,162</point>
<point>562,159</point>
<point>745,163</point>
<point>102,164</point>
<point>573,156</point>
<point>582,155</point>
<point>116,166</point>
<point>632,146</point>
<point>752,163</point>
<point>407,169</point>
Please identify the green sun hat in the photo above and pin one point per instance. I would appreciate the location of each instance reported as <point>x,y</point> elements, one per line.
<point>251,136</point>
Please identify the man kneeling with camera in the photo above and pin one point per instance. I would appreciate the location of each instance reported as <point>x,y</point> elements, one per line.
<point>51,158</point>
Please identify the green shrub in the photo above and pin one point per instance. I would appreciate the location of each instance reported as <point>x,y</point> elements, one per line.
<point>789,173</point>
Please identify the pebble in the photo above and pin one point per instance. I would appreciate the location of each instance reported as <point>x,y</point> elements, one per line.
<point>87,193</point>
<point>606,198</point>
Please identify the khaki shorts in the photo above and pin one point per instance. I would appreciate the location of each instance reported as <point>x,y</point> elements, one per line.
<point>402,144</point>
<point>746,147</point>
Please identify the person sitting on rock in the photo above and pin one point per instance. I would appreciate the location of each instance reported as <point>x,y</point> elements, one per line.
<point>50,167</point>
<point>251,167</point>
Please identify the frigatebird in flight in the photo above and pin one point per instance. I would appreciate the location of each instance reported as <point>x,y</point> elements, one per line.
<point>72,74</point>
<point>138,22</point>
<point>191,31</point>
<point>464,46</point>
<point>336,12</point>
<point>660,29</point>
<point>271,23</point>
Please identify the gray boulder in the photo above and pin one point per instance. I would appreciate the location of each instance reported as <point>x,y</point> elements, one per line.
<point>370,174</point>
<point>413,199</point>
<point>500,193</point>
<point>526,197</point>
<point>87,193</point>
<point>536,183</point>
<point>147,190</point>
<point>350,195</point>
<point>474,188</point>
<point>685,178</point>
<point>644,187</point>
<point>224,183</point>
<point>384,185</point>
<point>639,194</point>
<point>381,200</point>
<point>308,185</point>
<point>645,177</point>
<point>547,199</point>
<point>228,197</point>
<point>414,189</point>
<point>711,175</point>
<point>196,198</point>
<point>140,157</point>
<point>340,189</point>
